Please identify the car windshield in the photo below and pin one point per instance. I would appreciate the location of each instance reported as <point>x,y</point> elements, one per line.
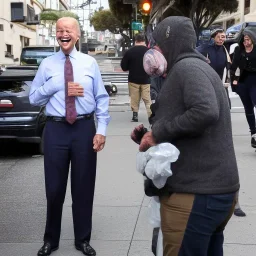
<point>34,56</point>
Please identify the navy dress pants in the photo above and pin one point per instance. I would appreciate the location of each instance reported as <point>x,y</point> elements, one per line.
<point>67,144</point>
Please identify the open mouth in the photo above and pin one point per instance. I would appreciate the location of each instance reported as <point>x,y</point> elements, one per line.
<point>64,40</point>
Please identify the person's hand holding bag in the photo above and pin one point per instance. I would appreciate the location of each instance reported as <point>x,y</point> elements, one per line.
<point>147,142</point>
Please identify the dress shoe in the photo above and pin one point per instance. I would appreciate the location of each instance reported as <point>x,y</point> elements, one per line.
<point>46,250</point>
<point>239,212</point>
<point>86,249</point>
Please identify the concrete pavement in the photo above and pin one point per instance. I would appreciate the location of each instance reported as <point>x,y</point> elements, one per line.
<point>120,220</point>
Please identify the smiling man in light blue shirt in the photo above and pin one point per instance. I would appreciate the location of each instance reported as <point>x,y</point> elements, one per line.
<point>48,87</point>
<point>70,86</point>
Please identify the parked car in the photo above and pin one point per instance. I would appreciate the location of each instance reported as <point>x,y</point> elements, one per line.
<point>239,34</point>
<point>232,31</point>
<point>204,37</point>
<point>18,119</point>
<point>33,55</point>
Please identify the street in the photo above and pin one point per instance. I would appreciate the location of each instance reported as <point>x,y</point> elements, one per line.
<point>120,219</point>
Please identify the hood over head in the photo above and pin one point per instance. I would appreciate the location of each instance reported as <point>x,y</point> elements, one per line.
<point>251,33</point>
<point>176,37</point>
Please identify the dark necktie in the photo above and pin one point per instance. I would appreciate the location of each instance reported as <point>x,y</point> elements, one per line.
<point>71,113</point>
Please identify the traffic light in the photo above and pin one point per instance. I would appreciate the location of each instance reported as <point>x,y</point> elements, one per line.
<point>145,7</point>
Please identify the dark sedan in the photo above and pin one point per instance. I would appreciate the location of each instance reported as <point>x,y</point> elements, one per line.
<point>18,119</point>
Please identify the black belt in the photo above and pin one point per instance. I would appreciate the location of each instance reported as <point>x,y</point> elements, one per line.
<point>63,119</point>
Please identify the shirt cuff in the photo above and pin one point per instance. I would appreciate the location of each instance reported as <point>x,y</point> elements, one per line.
<point>101,129</point>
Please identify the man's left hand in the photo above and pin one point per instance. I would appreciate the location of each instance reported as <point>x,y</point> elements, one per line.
<point>147,142</point>
<point>98,142</point>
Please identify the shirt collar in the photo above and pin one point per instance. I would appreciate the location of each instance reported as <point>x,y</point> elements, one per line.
<point>73,53</point>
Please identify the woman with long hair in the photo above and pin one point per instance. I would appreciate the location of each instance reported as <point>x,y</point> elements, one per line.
<point>244,84</point>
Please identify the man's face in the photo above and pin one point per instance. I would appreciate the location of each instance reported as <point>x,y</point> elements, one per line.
<point>247,42</point>
<point>220,38</point>
<point>67,34</point>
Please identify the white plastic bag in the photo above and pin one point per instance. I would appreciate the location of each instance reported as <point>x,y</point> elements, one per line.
<point>155,221</point>
<point>154,212</point>
<point>141,161</point>
<point>158,163</point>
<point>159,248</point>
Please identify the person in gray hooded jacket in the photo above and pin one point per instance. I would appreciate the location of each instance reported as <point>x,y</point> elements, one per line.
<point>192,112</point>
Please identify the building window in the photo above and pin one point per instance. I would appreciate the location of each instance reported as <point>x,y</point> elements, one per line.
<point>17,12</point>
<point>32,19</point>
<point>26,41</point>
<point>247,4</point>
<point>8,52</point>
<point>9,48</point>
<point>1,27</point>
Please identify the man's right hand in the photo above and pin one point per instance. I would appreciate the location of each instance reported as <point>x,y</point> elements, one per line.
<point>75,89</point>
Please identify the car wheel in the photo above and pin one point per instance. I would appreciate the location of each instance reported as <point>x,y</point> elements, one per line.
<point>41,145</point>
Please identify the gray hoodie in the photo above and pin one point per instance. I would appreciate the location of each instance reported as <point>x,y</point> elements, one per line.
<point>192,112</point>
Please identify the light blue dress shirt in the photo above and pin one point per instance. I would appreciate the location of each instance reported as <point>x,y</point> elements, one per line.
<point>48,87</point>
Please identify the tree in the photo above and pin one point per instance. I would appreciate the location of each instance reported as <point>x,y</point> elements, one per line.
<point>123,12</point>
<point>103,20</point>
<point>202,12</point>
<point>51,16</point>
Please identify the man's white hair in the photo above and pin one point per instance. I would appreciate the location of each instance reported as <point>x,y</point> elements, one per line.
<point>74,21</point>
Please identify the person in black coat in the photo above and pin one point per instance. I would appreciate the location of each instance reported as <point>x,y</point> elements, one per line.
<point>138,79</point>
<point>243,77</point>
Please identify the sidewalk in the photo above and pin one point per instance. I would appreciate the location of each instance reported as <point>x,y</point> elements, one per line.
<point>120,218</point>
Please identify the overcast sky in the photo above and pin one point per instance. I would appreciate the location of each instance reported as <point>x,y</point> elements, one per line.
<point>104,3</point>
<point>84,13</point>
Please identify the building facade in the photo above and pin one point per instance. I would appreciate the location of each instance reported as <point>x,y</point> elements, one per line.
<point>18,26</point>
<point>14,35</point>
<point>246,13</point>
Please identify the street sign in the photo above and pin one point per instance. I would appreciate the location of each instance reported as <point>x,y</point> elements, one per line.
<point>136,25</point>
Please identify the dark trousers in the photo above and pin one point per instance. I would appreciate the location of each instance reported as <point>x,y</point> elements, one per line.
<point>65,144</point>
<point>193,225</point>
<point>247,93</point>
